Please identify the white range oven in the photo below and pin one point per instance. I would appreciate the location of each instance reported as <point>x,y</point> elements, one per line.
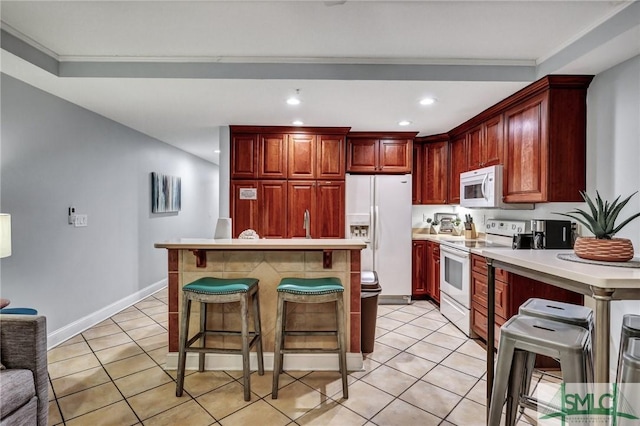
<point>455,286</point>
<point>455,269</point>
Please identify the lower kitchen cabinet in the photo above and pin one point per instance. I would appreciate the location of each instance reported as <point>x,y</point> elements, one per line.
<point>433,270</point>
<point>325,202</point>
<point>425,270</point>
<point>511,292</point>
<point>418,269</point>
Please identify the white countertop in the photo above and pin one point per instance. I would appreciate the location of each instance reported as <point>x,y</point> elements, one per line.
<point>546,261</point>
<point>262,244</point>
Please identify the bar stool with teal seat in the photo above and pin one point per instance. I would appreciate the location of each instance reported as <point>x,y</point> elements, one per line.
<point>221,290</point>
<point>309,290</point>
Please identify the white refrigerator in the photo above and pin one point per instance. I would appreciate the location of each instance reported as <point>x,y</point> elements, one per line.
<point>378,211</point>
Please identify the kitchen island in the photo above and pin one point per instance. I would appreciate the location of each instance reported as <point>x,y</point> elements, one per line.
<point>602,283</point>
<point>268,260</point>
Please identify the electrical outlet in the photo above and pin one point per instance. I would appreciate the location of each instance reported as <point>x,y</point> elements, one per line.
<point>81,220</point>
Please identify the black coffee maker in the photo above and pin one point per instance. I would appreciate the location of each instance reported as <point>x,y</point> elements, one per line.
<point>551,234</point>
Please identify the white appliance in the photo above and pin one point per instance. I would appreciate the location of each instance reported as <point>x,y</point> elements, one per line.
<point>455,270</point>
<point>379,212</point>
<point>482,188</point>
<point>455,287</point>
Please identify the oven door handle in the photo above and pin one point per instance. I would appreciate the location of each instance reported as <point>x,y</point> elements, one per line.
<point>459,254</point>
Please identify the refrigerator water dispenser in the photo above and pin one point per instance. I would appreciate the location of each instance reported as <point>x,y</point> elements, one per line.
<point>358,225</point>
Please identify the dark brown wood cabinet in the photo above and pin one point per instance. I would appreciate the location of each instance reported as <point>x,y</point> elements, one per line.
<point>330,213</point>
<point>302,156</point>
<point>272,208</point>
<point>425,270</point>
<point>244,156</point>
<point>325,202</point>
<point>545,142</point>
<point>430,170</point>
<point>244,207</point>
<point>419,269</point>
<point>380,152</point>
<point>302,195</point>
<point>433,270</point>
<point>457,165</point>
<point>330,157</point>
<point>292,169</point>
<point>272,156</point>
<point>485,144</point>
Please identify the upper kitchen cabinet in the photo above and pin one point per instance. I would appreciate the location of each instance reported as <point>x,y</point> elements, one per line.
<point>431,170</point>
<point>380,152</point>
<point>278,152</point>
<point>485,144</point>
<point>457,164</point>
<point>545,141</point>
<point>302,156</point>
<point>330,157</point>
<point>244,156</point>
<point>272,156</point>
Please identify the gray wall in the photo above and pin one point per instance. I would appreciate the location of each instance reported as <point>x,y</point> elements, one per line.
<point>613,167</point>
<point>55,155</point>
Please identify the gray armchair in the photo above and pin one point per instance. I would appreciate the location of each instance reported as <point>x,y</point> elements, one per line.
<point>24,381</point>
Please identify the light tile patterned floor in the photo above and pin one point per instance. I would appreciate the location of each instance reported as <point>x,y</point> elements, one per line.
<point>423,371</point>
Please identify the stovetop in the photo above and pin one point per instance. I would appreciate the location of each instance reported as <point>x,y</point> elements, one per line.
<point>474,244</point>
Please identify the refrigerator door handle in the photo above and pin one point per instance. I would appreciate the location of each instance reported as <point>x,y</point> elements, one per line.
<point>377,228</point>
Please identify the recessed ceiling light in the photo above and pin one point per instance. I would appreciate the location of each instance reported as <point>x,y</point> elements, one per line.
<point>427,101</point>
<point>295,99</point>
<point>297,123</point>
<point>216,151</point>
<point>404,123</point>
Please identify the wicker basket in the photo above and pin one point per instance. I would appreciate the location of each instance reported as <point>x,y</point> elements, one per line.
<point>613,250</point>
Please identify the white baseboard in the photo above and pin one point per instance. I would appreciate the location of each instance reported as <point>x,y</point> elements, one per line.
<point>298,362</point>
<point>68,331</point>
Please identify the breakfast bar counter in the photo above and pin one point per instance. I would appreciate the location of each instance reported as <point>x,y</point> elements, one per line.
<point>268,260</point>
<point>602,283</point>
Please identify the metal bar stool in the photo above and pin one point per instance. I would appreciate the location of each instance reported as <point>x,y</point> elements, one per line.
<point>521,335</point>
<point>309,290</point>
<point>630,329</point>
<point>218,290</point>
<point>567,313</point>
<point>628,400</point>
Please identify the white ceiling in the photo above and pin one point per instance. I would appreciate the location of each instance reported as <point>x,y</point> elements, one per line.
<point>177,70</point>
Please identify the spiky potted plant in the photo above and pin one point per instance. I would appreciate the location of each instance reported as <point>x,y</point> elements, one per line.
<point>601,221</point>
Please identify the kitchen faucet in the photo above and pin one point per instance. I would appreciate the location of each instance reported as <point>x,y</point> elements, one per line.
<point>307,224</point>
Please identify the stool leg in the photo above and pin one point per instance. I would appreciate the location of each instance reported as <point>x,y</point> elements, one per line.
<point>246,371</point>
<point>277,359</point>
<point>284,334</point>
<point>184,336</point>
<point>342,344</point>
<point>258,330</point>
<point>517,382</point>
<point>503,369</point>
<point>530,365</point>
<point>203,340</point>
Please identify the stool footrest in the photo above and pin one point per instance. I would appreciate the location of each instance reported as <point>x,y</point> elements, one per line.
<point>189,348</point>
<point>310,350</point>
<point>310,333</point>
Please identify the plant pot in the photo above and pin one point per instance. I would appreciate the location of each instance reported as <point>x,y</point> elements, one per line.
<point>613,250</point>
<point>435,229</point>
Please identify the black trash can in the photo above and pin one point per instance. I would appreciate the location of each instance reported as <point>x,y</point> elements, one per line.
<point>369,291</point>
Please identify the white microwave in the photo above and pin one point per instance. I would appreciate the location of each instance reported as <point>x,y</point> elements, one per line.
<point>482,189</point>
